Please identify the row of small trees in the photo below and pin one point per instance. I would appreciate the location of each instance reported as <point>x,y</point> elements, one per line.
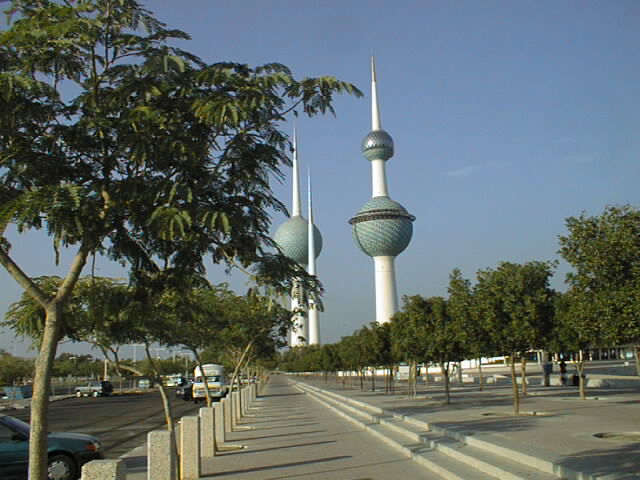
<point>511,310</point>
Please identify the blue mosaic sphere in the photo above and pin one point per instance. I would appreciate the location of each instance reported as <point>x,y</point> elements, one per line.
<point>292,238</point>
<point>377,145</point>
<point>382,227</point>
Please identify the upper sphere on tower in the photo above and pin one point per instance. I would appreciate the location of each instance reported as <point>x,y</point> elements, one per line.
<point>293,239</point>
<point>377,145</point>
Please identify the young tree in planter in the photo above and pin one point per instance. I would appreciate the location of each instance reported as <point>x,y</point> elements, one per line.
<point>572,333</point>
<point>516,303</point>
<point>463,312</point>
<point>604,251</point>
<point>106,128</point>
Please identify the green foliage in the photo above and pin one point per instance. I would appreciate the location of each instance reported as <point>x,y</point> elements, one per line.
<point>604,291</point>
<point>13,369</point>
<point>516,303</point>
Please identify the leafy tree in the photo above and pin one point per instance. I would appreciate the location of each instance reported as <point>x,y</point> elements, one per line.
<point>408,337</point>
<point>463,312</point>
<point>13,369</point>
<point>112,141</point>
<point>572,334</point>
<point>604,251</point>
<point>516,303</point>
<point>438,337</point>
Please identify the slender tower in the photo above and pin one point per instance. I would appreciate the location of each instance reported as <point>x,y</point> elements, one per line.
<point>313,313</point>
<point>292,238</point>
<point>382,228</point>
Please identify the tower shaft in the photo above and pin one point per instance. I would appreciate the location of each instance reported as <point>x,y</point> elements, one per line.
<point>386,291</point>
<point>379,179</point>
<point>313,314</point>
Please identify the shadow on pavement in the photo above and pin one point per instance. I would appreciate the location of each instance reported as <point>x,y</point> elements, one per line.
<point>280,465</point>
<point>621,461</point>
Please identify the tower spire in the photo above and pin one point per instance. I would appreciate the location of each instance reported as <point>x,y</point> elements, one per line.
<point>376,124</point>
<point>295,204</point>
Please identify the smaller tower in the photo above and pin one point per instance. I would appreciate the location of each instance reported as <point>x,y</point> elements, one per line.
<point>292,238</point>
<point>313,313</point>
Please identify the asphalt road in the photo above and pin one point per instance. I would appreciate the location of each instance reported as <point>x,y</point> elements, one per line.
<point>120,422</point>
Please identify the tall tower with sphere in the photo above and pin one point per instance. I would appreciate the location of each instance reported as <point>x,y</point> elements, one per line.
<point>292,238</point>
<point>382,228</point>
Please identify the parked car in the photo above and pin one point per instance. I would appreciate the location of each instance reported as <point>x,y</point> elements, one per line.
<point>95,389</point>
<point>185,391</point>
<point>67,451</point>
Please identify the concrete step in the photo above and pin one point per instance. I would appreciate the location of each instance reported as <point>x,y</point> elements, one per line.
<point>450,457</point>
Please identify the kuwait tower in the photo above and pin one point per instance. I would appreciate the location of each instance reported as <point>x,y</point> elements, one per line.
<point>292,238</point>
<point>382,228</point>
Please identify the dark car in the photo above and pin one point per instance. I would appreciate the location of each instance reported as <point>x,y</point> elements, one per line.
<point>67,451</point>
<point>185,391</point>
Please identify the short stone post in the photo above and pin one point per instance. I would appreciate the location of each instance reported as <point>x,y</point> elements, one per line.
<point>161,457</point>
<point>218,413</point>
<point>226,409</point>
<point>104,470</point>
<point>207,432</point>
<point>243,404</point>
<point>236,407</point>
<point>189,448</point>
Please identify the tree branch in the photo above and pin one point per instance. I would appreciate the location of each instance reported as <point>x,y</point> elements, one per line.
<point>74,273</point>
<point>23,279</point>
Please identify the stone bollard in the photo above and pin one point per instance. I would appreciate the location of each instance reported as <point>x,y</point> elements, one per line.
<point>226,410</point>
<point>235,402</point>
<point>243,403</point>
<point>104,470</point>
<point>218,413</point>
<point>161,457</point>
<point>189,448</point>
<point>207,432</point>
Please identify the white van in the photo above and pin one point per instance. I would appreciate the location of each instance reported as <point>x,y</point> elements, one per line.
<point>215,379</point>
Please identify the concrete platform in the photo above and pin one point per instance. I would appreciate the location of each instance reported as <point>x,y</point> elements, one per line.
<point>558,431</point>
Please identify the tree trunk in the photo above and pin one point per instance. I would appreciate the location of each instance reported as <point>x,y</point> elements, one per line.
<point>523,376</point>
<point>242,357</point>
<point>373,379</point>
<point>361,375</point>
<point>637,352</point>
<point>207,394</point>
<point>480,373</point>
<point>166,405</point>
<point>44,362</point>
<point>444,367</point>
<point>514,386</point>
<point>581,376</point>
<point>40,399</point>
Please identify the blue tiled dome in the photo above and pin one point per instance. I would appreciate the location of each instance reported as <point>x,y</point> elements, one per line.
<point>292,238</point>
<point>382,227</point>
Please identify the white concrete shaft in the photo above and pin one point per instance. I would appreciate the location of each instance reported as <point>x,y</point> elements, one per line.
<point>379,178</point>
<point>386,292</point>
<point>314,324</point>
<point>299,328</point>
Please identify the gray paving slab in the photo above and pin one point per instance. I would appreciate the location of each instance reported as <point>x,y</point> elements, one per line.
<point>562,431</point>
<point>295,437</point>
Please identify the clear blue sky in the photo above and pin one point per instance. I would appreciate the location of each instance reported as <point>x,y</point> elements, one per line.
<point>507,116</point>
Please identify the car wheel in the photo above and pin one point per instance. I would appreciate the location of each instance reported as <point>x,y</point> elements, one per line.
<point>61,467</point>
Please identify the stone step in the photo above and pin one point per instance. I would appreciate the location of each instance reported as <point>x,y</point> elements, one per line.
<point>442,454</point>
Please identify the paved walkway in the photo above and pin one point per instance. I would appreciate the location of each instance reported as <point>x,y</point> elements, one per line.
<point>295,437</point>
<point>562,431</point>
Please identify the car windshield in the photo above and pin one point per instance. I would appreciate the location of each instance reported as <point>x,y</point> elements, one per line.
<point>210,379</point>
<point>16,424</point>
